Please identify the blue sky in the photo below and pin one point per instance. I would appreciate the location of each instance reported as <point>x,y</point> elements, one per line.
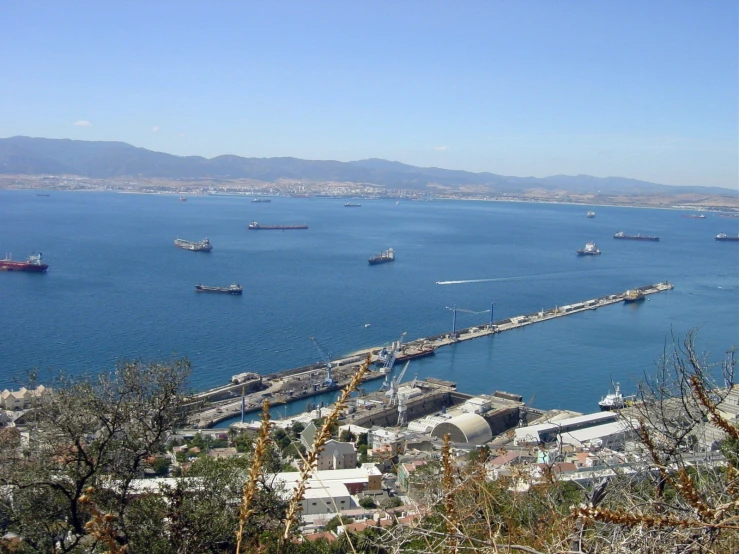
<point>630,88</point>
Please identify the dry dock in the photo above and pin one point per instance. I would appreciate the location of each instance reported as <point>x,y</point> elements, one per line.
<point>303,382</point>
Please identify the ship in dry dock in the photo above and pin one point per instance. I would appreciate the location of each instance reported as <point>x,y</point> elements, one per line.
<point>634,295</point>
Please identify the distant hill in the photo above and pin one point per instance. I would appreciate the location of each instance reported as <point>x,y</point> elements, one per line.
<point>41,156</point>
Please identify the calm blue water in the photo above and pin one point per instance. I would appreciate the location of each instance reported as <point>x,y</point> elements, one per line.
<point>118,289</point>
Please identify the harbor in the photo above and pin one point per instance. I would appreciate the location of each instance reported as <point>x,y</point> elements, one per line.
<point>246,392</point>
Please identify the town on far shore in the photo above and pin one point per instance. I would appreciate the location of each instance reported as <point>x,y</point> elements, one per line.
<point>302,188</point>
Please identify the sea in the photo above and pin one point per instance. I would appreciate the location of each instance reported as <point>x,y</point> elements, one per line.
<point>117,289</point>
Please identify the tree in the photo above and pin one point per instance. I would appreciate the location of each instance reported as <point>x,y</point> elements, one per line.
<point>161,465</point>
<point>297,428</point>
<point>392,502</point>
<point>362,450</point>
<point>200,513</point>
<point>90,439</point>
<point>333,523</point>
<point>347,436</point>
<point>368,503</point>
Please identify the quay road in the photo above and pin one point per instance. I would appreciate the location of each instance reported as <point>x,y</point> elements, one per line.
<point>300,383</point>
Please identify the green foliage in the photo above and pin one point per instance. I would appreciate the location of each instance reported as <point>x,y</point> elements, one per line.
<point>281,438</point>
<point>297,428</point>
<point>333,523</point>
<point>90,432</point>
<point>362,439</point>
<point>392,502</point>
<point>347,436</point>
<point>161,466</point>
<point>243,443</point>
<point>294,450</point>
<point>362,450</point>
<point>368,503</point>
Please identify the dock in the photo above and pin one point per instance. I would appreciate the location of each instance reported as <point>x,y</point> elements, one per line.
<point>304,382</point>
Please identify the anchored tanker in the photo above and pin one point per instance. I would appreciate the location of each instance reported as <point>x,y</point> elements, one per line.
<point>232,289</point>
<point>624,236</point>
<point>383,258</point>
<point>201,246</point>
<point>590,249</point>
<point>254,226</point>
<point>33,264</point>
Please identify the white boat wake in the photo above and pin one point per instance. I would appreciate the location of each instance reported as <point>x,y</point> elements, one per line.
<point>470,281</point>
<point>517,278</point>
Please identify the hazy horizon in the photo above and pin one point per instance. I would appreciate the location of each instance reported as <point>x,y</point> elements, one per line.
<point>633,90</point>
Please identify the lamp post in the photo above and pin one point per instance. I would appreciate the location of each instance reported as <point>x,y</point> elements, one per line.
<point>454,321</point>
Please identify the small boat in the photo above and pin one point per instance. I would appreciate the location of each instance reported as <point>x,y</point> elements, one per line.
<point>383,257</point>
<point>231,289</point>
<point>727,238</point>
<point>183,199</point>
<point>695,216</point>
<point>590,249</point>
<point>200,246</point>
<point>590,215</point>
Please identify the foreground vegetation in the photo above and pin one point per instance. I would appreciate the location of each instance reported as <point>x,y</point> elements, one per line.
<point>73,485</point>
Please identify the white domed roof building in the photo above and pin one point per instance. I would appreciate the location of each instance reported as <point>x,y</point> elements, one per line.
<point>465,428</point>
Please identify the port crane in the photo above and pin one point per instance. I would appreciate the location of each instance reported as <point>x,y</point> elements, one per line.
<point>329,381</point>
<point>391,354</point>
<point>395,381</point>
<point>454,311</point>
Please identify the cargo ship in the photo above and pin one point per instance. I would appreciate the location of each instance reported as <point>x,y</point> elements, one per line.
<point>622,235</point>
<point>231,289</point>
<point>260,200</point>
<point>633,296</point>
<point>201,246</point>
<point>348,205</point>
<point>590,249</point>
<point>254,226</point>
<point>33,264</point>
<point>383,258</point>
<point>725,237</point>
<point>695,216</point>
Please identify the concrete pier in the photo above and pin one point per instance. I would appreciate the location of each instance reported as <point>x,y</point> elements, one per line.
<point>303,382</point>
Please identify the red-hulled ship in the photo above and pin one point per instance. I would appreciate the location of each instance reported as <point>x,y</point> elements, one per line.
<point>33,263</point>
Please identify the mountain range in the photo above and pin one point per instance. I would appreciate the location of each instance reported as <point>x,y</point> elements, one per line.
<point>101,160</point>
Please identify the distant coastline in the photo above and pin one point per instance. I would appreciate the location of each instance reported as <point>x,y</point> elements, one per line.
<point>237,188</point>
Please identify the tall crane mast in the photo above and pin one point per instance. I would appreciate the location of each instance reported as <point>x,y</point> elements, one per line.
<point>329,381</point>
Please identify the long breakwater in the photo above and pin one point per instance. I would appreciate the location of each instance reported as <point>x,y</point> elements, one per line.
<point>303,382</point>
